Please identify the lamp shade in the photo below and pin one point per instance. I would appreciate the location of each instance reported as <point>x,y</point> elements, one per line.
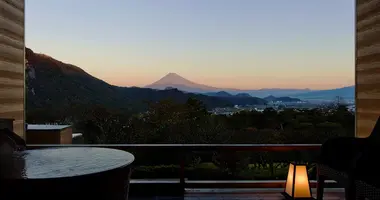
<point>297,184</point>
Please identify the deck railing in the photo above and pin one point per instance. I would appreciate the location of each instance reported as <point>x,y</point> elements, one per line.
<point>184,148</point>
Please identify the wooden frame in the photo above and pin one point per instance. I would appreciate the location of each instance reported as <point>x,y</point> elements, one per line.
<point>367,65</point>
<point>12,61</point>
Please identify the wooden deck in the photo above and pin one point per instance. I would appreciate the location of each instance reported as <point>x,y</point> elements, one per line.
<point>234,194</point>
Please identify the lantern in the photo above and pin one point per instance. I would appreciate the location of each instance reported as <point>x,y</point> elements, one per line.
<point>297,184</point>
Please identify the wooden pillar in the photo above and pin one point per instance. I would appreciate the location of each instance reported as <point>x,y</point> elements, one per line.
<point>12,45</point>
<point>367,67</point>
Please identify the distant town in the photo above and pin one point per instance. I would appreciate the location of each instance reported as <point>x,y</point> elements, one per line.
<point>279,106</point>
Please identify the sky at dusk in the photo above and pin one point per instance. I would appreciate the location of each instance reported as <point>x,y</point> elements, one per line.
<point>244,44</point>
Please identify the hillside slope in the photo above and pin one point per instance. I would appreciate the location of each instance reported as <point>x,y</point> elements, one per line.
<point>53,84</point>
<point>238,99</point>
<point>282,99</point>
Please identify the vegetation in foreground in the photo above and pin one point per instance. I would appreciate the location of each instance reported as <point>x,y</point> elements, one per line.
<point>170,122</point>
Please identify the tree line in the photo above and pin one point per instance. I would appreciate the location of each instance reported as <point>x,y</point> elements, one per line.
<point>169,122</point>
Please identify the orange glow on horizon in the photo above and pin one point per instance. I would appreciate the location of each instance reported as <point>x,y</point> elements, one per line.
<point>237,83</point>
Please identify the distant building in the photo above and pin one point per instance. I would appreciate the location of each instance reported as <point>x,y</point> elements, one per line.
<point>48,134</point>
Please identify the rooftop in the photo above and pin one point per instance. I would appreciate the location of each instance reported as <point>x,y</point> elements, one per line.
<point>77,135</point>
<point>46,127</point>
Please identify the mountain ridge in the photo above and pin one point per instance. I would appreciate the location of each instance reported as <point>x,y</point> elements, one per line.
<point>41,64</point>
<point>52,84</point>
<point>170,78</point>
<point>174,80</point>
<point>347,92</point>
<point>272,98</point>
